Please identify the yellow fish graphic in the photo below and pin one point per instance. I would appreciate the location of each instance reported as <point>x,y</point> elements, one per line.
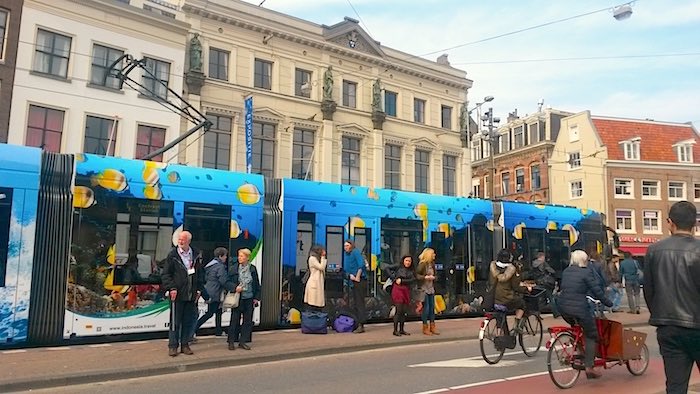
<point>83,197</point>
<point>110,179</point>
<point>372,194</point>
<point>518,231</point>
<point>173,177</point>
<point>355,222</point>
<point>152,192</point>
<point>248,194</point>
<point>150,175</point>
<point>235,230</point>
<point>111,255</point>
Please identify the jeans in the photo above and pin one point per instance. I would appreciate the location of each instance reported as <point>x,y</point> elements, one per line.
<point>615,294</point>
<point>428,313</point>
<point>680,349</point>
<point>180,323</point>
<point>214,308</point>
<point>241,332</point>
<point>633,297</point>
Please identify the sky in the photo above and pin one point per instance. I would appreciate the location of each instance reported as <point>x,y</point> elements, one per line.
<point>644,67</point>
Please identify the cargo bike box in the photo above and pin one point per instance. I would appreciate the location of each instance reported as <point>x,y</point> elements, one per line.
<point>617,343</point>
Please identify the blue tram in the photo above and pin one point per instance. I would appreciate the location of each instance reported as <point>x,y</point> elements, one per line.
<point>82,236</point>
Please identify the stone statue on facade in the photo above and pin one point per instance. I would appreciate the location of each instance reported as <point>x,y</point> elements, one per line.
<point>195,53</point>
<point>463,117</point>
<point>377,96</point>
<point>328,84</point>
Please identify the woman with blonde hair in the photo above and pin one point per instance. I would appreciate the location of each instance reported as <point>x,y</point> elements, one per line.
<point>243,279</point>
<point>425,273</point>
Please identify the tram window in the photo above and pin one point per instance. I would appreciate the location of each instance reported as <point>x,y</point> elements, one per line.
<point>442,264</point>
<point>482,250</point>
<point>143,240</point>
<point>534,240</point>
<point>558,250</point>
<point>5,215</point>
<point>305,239</point>
<point>210,226</point>
<point>334,256</point>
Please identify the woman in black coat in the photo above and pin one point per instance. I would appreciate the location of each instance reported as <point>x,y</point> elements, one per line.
<point>577,281</point>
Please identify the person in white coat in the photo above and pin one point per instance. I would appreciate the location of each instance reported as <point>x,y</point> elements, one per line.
<point>314,292</point>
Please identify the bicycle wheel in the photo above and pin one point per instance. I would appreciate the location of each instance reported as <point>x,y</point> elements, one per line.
<point>531,336</point>
<point>487,342</point>
<point>564,360</point>
<point>639,365</point>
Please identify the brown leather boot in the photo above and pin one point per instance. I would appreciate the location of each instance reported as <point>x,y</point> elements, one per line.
<point>426,329</point>
<point>433,329</point>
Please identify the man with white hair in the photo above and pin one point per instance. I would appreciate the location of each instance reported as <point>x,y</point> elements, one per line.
<point>577,281</point>
<point>181,279</point>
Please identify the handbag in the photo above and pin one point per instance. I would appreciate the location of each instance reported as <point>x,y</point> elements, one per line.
<point>231,300</point>
<point>314,322</point>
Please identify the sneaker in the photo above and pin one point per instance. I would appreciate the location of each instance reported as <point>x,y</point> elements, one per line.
<point>186,350</point>
<point>231,346</point>
<point>172,352</point>
<point>244,346</point>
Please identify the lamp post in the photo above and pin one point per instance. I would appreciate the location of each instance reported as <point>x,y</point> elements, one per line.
<point>469,112</point>
<point>491,122</point>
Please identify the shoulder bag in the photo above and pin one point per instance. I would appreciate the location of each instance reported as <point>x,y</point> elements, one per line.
<point>231,300</point>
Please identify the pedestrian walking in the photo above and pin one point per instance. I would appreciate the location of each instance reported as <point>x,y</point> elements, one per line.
<point>355,275</point>
<point>672,291</point>
<point>614,280</point>
<point>426,274</point>
<point>314,292</point>
<point>243,279</point>
<point>179,278</point>
<point>629,269</point>
<point>403,279</point>
<point>215,280</point>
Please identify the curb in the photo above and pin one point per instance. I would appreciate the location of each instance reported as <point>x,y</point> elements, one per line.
<point>219,362</point>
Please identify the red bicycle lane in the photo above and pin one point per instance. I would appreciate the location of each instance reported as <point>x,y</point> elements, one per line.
<point>615,379</point>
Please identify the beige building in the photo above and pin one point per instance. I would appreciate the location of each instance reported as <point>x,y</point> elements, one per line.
<point>631,170</point>
<point>330,102</point>
<point>64,99</point>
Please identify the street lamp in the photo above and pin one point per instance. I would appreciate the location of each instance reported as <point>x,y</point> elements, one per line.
<point>469,112</point>
<point>491,122</point>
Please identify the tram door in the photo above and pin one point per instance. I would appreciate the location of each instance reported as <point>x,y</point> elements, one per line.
<point>440,243</point>
<point>481,253</point>
<point>210,228</point>
<point>401,237</point>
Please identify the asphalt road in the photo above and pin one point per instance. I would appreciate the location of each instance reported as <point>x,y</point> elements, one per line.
<point>409,369</point>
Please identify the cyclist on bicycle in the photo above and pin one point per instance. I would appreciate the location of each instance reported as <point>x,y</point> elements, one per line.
<point>505,279</point>
<point>577,281</point>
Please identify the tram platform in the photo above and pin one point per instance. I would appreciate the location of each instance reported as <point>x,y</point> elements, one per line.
<point>25,369</point>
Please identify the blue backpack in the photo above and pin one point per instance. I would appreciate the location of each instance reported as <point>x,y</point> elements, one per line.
<point>314,323</point>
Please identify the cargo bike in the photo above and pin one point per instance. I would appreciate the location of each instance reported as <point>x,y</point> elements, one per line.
<point>616,346</point>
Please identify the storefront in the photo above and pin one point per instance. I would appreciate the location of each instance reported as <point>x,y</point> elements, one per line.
<point>637,246</point>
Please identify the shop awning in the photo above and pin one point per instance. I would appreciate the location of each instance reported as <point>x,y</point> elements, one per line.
<point>635,250</point>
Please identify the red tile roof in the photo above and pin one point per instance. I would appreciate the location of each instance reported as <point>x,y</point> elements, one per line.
<point>657,139</point>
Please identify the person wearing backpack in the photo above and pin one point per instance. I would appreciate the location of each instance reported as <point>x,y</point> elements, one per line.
<point>314,291</point>
<point>215,279</point>
<point>629,268</point>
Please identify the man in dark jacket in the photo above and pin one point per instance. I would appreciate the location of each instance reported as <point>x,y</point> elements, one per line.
<point>672,293</point>
<point>182,281</point>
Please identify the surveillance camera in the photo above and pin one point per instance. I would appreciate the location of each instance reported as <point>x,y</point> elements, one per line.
<point>622,12</point>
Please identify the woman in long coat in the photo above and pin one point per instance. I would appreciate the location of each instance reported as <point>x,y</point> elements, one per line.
<point>314,293</point>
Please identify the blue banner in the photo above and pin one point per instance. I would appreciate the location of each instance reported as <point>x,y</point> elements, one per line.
<point>249,134</point>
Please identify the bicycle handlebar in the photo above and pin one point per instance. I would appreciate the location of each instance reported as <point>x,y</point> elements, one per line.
<point>593,300</point>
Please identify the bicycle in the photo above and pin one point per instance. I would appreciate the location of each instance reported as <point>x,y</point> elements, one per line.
<point>494,334</point>
<point>565,356</point>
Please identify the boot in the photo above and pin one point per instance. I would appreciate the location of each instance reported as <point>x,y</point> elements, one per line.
<point>396,328</point>
<point>172,352</point>
<point>433,328</point>
<point>426,329</point>
<point>401,330</point>
<point>591,373</point>
<point>186,350</point>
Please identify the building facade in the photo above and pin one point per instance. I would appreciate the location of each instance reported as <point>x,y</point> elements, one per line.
<point>522,151</point>
<point>330,102</point>
<point>10,17</point>
<point>632,170</point>
<point>65,99</point>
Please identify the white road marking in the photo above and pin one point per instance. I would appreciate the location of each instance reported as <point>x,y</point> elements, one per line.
<point>101,345</point>
<point>14,351</point>
<point>464,386</point>
<point>58,348</point>
<point>486,382</point>
<point>468,363</point>
<point>434,391</point>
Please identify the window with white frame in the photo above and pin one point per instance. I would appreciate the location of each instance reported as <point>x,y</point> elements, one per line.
<point>650,221</point>
<point>156,75</point>
<point>418,110</point>
<point>262,76</point>
<point>519,137</point>
<point>505,183</point>
<point>573,133</point>
<point>505,142</point>
<point>4,16</point>
<point>676,190</point>
<point>650,189</point>
<point>487,186</point>
<point>624,219</point>
<point>574,160</point>
<point>535,182</point>
<point>623,188</point>
<point>349,94</point>
<point>576,188</point>
<point>696,187</point>
<point>476,187</point>
<point>519,180</point>
<point>685,153</point>
<point>631,149</point>
<point>52,53</point>
<point>476,150</point>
